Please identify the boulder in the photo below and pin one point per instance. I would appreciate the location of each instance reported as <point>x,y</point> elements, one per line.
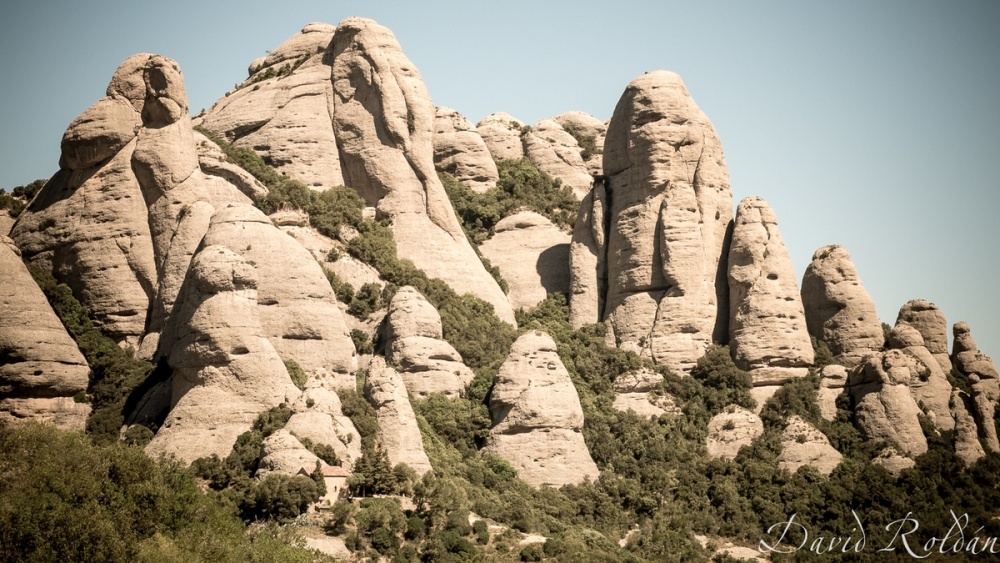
<point>532,254</point>
<point>802,444</point>
<point>383,121</point>
<point>537,417</point>
<point>670,215</point>
<point>397,425</point>
<point>226,372</point>
<point>893,462</point>
<point>967,445</point>
<point>318,417</point>
<point>838,309</point>
<point>282,111</point>
<point>932,326</point>
<point>931,389</point>
<point>884,407</point>
<point>415,345</point>
<point>41,368</point>
<point>459,150</point>
<point>637,391</point>
<point>979,368</point>
<point>732,429</point>
<point>282,453</point>
<point>555,152</point>
<point>502,134</point>
<point>767,325</point>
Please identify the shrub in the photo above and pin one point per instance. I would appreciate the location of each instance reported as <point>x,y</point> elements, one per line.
<point>362,343</point>
<point>298,377</point>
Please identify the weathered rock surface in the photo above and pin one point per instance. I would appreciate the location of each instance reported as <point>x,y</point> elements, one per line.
<point>833,380</point>
<point>213,162</point>
<point>767,325</point>
<point>931,389</point>
<point>502,134</point>
<point>537,417</point>
<point>893,462</point>
<point>588,277</point>
<point>555,152</point>
<point>589,133</point>
<point>282,453</point>
<point>802,444</point>
<point>932,326</point>
<point>41,368</point>
<point>732,429</point>
<point>980,370</point>
<point>670,213</point>
<point>967,444</point>
<point>383,121</point>
<point>318,417</point>
<point>283,110</point>
<point>225,370</point>
<point>460,151</point>
<point>415,345</point>
<point>635,391</point>
<point>884,407</point>
<point>397,425</point>
<point>532,254</point>
<point>297,307</point>
<point>838,309</point>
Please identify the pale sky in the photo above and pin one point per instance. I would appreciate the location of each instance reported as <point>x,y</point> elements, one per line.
<point>874,125</point>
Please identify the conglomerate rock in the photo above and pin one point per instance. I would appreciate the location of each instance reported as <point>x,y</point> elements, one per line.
<point>931,389</point>
<point>932,326</point>
<point>981,372</point>
<point>502,134</point>
<point>802,444</point>
<point>397,425</point>
<point>884,406</point>
<point>555,152</point>
<point>532,255</point>
<point>460,151</point>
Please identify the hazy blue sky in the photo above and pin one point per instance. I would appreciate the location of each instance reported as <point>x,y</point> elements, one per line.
<point>874,125</point>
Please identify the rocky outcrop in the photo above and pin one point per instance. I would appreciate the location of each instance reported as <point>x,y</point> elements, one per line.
<point>892,461</point>
<point>283,110</point>
<point>502,134</point>
<point>397,425</point>
<point>41,369</point>
<point>588,269</point>
<point>318,417</point>
<point>884,407</point>
<point>415,345</point>
<point>460,151</point>
<point>931,389</point>
<point>838,309</point>
<point>555,152</point>
<point>767,325</point>
<point>383,122</point>
<point>981,372</point>
<point>297,307</point>
<point>637,392</point>
<point>732,429</point>
<point>802,444</point>
<point>832,381</point>
<point>532,254</point>
<point>537,417</point>
<point>932,326</point>
<point>284,454</point>
<point>225,370</point>
<point>670,212</point>
<point>589,133</point>
<point>967,445</point>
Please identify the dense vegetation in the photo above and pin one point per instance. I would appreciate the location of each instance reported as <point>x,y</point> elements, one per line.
<point>18,198</point>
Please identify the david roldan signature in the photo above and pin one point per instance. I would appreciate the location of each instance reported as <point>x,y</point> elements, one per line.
<point>905,539</point>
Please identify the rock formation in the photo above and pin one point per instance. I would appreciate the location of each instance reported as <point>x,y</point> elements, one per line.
<point>226,372</point>
<point>589,133</point>
<point>537,417</point>
<point>665,215</point>
<point>41,369</point>
<point>460,151</point>
<point>931,389</point>
<point>892,461</point>
<point>502,134</point>
<point>967,444</point>
<point>636,391</point>
<point>767,325</point>
<point>884,407</point>
<point>802,444</point>
<point>282,110</point>
<point>555,152</point>
<point>932,326</point>
<point>415,345</point>
<point>532,254</point>
<point>397,425</point>
<point>588,269</point>
<point>317,416</point>
<point>833,380</point>
<point>838,309</point>
<point>284,454</point>
<point>981,372</point>
<point>383,120</point>
<point>732,429</point>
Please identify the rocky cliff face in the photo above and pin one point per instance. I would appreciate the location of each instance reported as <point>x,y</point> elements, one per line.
<point>397,425</point>
<point>884,407</point>
<point>415,345</point>
<point>383,119</point>
<point>930,322</point>
<point>557,153</point>
<point>533,256</point>
<point>502,134</point>
<point>666,210</point>
<point>930,389</point>
<point>537,417</point>
<point>767,324</point>
<point>838,309</point>
<point>981,372</point>
<point>41,369</point>
<point>460,151</point>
